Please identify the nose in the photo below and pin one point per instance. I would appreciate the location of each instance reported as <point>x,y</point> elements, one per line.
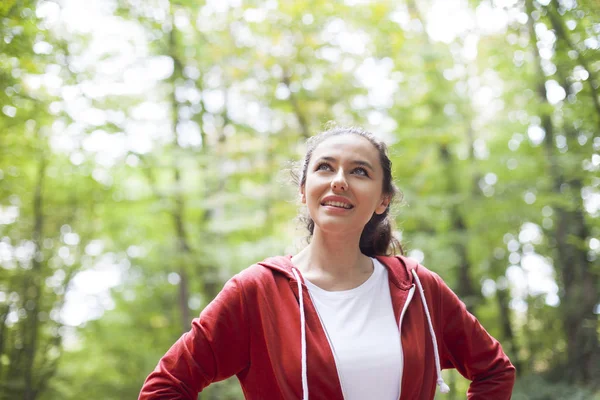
<point>339,182</point>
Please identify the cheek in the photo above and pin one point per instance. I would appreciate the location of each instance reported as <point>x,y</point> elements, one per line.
<point>313,191</point>
<point>310,194</point>
<point>312,186</point>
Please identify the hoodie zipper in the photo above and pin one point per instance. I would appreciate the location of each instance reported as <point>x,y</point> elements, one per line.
<point>411,292</point>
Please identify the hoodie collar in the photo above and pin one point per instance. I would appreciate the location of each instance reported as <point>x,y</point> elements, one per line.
<point>399,268</point>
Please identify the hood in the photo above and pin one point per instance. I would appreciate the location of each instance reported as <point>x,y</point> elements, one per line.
<point>281,264</point>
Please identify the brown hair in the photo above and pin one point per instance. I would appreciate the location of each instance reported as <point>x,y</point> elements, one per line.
<point>376,238</point>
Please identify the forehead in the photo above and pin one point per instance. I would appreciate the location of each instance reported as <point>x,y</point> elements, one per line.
<point>347,146</point>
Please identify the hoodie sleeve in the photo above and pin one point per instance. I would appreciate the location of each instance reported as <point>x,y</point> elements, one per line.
<point>215,348</point>
<point>469,348</point>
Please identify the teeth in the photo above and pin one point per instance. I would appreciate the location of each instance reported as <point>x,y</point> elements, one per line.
<point>337,204</point>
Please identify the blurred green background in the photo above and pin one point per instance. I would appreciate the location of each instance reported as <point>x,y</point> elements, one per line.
<point>144,159</point>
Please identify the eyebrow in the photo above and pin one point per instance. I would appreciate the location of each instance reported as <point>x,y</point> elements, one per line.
<point>355,162</point>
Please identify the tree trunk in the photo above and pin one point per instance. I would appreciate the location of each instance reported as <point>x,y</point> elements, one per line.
<point>579,295</point>
<point>509,342</point>
<point>465,288</point>
<point>34,289</point>
<point>296,106</point>
<point>3,316</point>
<point>177,213</point>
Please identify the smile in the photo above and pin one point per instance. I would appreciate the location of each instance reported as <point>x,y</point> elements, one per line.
<point>338,204</point>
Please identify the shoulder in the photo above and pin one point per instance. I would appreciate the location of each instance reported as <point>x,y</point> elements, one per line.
<point>428,276</point>
<point>434,286</point>
<point>264,274</point>
<point>403,272</point>
<point>251,276</point>
<point>439,295</point>
<point>252,273</point>
<point>402,269</point>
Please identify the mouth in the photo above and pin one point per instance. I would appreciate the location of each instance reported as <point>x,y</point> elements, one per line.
<point>338,204</point>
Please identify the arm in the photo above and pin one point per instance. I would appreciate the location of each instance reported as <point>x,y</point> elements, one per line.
<point>469,348</point>
<point>214,349</point>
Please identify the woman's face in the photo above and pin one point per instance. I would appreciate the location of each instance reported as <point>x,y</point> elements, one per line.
<point>344,181</point>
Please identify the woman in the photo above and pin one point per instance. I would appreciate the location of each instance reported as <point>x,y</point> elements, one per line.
<point>340,319</point>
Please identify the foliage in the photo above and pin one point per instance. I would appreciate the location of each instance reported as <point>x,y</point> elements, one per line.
<point>145,147</point>
<point>537,388</point>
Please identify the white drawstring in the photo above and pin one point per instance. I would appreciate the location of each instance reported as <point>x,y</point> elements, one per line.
<point>440,381</point>
<point>302,335</point>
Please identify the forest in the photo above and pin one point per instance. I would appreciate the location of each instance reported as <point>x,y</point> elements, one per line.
<point>146,149</point>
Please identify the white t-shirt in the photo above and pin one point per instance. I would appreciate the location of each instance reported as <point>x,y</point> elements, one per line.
<point>364,336</point>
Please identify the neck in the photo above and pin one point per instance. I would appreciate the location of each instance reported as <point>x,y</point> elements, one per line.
<point>334,262</point>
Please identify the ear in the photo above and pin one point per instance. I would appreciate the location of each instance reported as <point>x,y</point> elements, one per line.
<point>383,205</point>
<point>302,195</point>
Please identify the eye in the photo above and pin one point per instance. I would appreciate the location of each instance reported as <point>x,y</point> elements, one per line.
<point>323,167</point>
<point>360,171</point>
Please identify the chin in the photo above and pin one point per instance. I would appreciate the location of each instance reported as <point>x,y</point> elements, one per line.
<point>329,226</point>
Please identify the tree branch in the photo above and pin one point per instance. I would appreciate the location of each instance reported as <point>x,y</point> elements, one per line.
<point>561,31</point>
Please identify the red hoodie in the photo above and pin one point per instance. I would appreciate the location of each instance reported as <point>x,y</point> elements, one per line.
<point>253,329</point>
